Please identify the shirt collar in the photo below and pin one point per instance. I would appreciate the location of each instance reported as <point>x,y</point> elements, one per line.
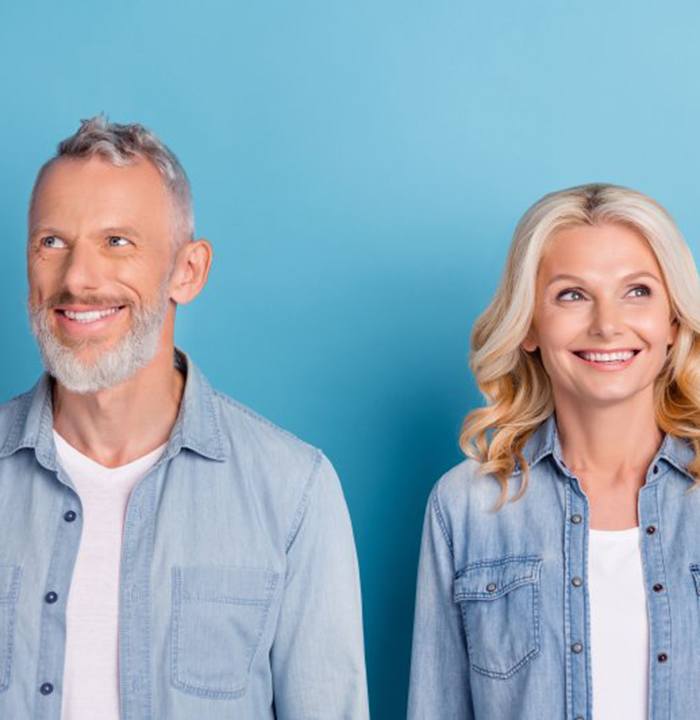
<point>544,442</point>
<point>196,428</point>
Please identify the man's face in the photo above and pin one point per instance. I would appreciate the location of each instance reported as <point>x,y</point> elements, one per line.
<point>100,254</point>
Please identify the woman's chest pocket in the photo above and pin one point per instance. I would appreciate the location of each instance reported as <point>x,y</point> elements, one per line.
<point>499,601</point>
<point>219,617</point>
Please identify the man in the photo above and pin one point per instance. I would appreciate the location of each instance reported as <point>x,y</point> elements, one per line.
<point>165,553</point>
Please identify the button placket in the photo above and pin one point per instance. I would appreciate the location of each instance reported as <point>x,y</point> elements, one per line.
<point>654,566</point>
<point>576,630</point>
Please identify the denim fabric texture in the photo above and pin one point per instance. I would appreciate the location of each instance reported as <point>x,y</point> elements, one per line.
<point>502,619</point>
<point>239,588</point>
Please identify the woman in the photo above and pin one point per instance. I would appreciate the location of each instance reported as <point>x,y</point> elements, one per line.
<point>560,565</point>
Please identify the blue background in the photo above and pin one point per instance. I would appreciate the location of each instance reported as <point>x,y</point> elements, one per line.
<point>359,167</point>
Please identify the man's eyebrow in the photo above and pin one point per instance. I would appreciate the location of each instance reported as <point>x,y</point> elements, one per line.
<point>115,230</point>
<point>626,278</point>
<point>36,229</point>
<point>120,230</point>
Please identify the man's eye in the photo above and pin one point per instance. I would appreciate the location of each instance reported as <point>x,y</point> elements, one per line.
<point>118,241</point>
<point>51,241</point>
<point>640,291</point>
<point>570,295</point>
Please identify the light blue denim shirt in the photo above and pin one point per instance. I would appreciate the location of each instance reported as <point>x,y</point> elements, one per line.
<point>502,620</point>
<point>239,589</point>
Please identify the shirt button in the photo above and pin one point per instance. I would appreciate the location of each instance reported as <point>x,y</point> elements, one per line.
<point>651,529</point>
<point>658,587</point>
<point>576,581</point>
<point>69,516</point>
<point>46,689</point>
<point>577,647</point>
<point>656,469</point>
<point>51,597</point>
<point>662,657</point>
<point>491,587</point>
<point>576,519</point>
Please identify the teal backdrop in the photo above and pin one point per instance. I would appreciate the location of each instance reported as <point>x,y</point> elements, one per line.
<point>359,167</point>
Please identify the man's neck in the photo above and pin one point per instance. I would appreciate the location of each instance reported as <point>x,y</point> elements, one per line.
<point>120,424</point>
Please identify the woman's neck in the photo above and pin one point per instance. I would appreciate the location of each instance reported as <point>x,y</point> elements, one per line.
<point>609,443</point>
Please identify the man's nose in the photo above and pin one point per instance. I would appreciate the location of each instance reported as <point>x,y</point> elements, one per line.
<point>82,269</point>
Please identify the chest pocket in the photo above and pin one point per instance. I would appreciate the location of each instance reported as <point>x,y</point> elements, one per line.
<point>219,615</point>
<point>499,600</point>
<point>9,592</point>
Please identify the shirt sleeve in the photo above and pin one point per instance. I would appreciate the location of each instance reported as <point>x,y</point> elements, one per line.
<point>439,684</point>
<point>318,662</point>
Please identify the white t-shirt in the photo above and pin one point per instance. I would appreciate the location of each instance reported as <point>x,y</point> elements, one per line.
<point>619,625</point>
<point>90,677</point>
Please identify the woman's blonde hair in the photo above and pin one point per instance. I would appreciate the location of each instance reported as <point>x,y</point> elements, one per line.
<point>514,382</point>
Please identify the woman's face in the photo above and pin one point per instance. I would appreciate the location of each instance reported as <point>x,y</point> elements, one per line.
<point>602,318</point>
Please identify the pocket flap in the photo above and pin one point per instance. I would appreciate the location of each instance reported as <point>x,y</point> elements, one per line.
<point>491,579</point>
<point>234,585</point>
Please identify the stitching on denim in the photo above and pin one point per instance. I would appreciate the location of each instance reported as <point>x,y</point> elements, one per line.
<point>50,574</point>
<point>495,562</point>
<point>13,441</point>
<point>441,521</point>
<point>531,654</point>
<point>695,571</point>
<point>145,598</point>
<point>304,501</point>
<point>177,602</point>
<point>222,600</point>
<point>665,595</point>
<point>11,603</point>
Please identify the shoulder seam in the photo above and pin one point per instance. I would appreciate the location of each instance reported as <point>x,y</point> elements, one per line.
<point>304,500</point>
<point>441,520</point>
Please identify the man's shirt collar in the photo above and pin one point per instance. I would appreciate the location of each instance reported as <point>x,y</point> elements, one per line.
<point>196,428</point>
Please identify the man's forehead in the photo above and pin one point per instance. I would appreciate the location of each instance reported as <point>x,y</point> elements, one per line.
<point>96,184</point>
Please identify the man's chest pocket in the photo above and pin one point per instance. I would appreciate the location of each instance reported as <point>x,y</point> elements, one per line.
<point>219,615</point>
<point>9,592</point>
<point>499,601</point>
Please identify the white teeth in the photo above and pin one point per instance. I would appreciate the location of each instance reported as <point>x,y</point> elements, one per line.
<point>607,357</point>
<point>90,315</point>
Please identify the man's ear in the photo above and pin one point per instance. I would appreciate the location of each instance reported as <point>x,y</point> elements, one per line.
<point>191,271</point>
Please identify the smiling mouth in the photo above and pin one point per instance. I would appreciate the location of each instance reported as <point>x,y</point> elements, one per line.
<point>611,357</point>
<point>89,316</point>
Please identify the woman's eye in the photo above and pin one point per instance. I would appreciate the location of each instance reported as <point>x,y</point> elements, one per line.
<point>640,291</point>
<point>118,241</point>
<point>570,295</point>
<point>51,241</point>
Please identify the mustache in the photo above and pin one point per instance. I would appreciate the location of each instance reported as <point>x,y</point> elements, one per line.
<point>65,297</point>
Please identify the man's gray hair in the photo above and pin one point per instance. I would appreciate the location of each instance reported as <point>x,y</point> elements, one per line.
<point>122,145</point>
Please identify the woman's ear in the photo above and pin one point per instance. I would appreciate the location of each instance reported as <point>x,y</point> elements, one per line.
<point>530,344</point>
<point>191,271</point>
<point>673,331</point>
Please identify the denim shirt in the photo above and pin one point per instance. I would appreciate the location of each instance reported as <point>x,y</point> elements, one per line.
<point>502,619</point>
<point>239,590</point>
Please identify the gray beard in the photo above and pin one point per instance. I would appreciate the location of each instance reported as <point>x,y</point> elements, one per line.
<point>114,366</point>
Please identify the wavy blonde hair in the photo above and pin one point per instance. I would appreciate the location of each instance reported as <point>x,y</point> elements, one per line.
<point>514,382</point>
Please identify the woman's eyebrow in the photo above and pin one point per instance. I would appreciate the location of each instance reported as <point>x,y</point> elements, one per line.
<point>559,277</point>
<point>626,278</point>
